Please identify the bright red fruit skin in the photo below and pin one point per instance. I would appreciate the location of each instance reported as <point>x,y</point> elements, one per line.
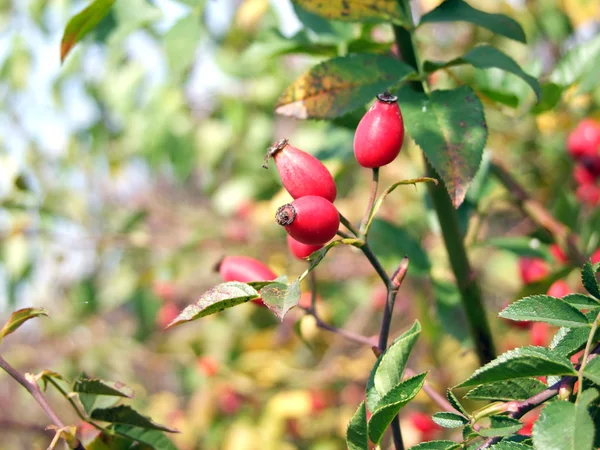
<point>595,256</point>
<point>584,140</point>
<point>588,194</point>
<point>245,269</point>
<point>539,334</point>
<point>559,289</point>
<point>532,269</point>
<point>424,424</point>
<point>379,134</point>
<point>558,254</point>
<point>301,173</point>
<point>582,175</point>
<point>310,220</point>
<point>300,250</point>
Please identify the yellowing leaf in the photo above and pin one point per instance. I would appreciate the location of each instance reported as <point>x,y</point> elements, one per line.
<point>355,10</point>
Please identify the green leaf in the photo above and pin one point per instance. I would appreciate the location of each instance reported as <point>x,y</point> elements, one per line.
<point>181,42</point>
<point>592,370</point>
<point>566,426</point>
<point>222,296</point>
<point>568,341</point>
<point>543,308</point>
<point>581,301</point>
<point>280,298</point>
<point>576,64</point>
<point>387,372</point>
<point>356,434</point>
<point>455,403</point>
<point>449,420</point>
<point>153,438</point>
<point>341,85</point>
<point>356,10</point>
<point>102,387</point>
<point>106,441</point>
<point>501,426</point>
<point>459,11</point>
<point>551,95</point>
<point>389,190</point>
<point>126,415</point>
<point>83,23</point>
<point>436,445</point>
<point>488,57</point>
<point>506,391</point>
<point>90,402</point>
<point>522,362</point>
<point>508,445</point>
<point>589,280</point>
<point>391,403</point>
<point>450,128</point>
<point>520,246</point>
<point>18,318</point>
<point>390,242</point>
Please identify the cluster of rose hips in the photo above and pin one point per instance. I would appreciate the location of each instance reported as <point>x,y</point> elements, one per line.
<point>311,219</point>
<point>583,144</point>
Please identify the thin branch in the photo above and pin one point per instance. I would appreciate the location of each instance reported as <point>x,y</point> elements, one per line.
<point>372,198</point>
<point>349,225</point>
<point>392,286</point>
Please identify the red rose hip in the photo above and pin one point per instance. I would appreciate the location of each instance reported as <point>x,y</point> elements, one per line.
<point>301,173</point>
<point>245,269</point>
<point>310,220</point>
<point>584,140</point>
<point>300,250</point>
<point>379,135</point>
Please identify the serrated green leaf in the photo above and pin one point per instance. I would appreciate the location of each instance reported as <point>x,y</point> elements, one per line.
<point>82,23</point>
<point>469,433</point>
<point>280,298</point>
<point>488,57</point>
<point>126,415</point>
<point>568,341</point>
<point>588,278</point>
<point>356,433</point>
<point>507,445</point>
<point>581,301</point>
<point>460,11</point>
<point>222,296</point>
<point>102,387</point>
<point>592,370</point>
<point>455,403</point>
<point>18,318</point>
<point>391,403</point>
<point>577,63</point>
<point>501,426</point>
<point>387,372</point>
<point>566,426</point>
<point>543,308</point>
<point>341,85</point>
<point>449,419</point>
<point>450,128</point>
<point>436,445</point>
<point>356,10</point>
<point>153,438</point>
<point>525,362</point>
<point>509,390</point>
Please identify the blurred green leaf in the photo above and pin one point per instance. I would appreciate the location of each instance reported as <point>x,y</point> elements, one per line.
<point>592,370</point>
<point>543,308</point>
<point>18,318</point>
<point>356,434</point>
<point>280,298</point>
<point>455,403</point>
<point>222,296</point>
<point>356,10</point>
<point>181,42</point>
<point>450,312</point>
<point>501,426</point>
<point>83,23</point>
<point>577,64</point>
<point>390,404</point>
<point>460,11</point>
<point>568,341</point>
<point>153,438</point>
<point>436,445</point>
<point>449,419</point>
<point>340,85</point>
<point>508,445</point>
<point>106,441</point>
<point>551,95</point>
<point>488,57</point>
<point>506,391</point>
<point>102,387</point>
<point>126,415</point>
<point>450,128</point>
<point>523,362</point>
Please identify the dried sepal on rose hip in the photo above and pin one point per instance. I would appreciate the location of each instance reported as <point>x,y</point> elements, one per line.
<point>310,220</point>
<point>379,134</point>
<point>301,173</point>
<point>300,250</point>
<point>245,269</point>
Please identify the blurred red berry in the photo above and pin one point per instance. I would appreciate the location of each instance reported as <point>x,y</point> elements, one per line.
<point>424,424</point>
<point>379,134</point>
<point>245,269</point>
<point>595,256</point>
<point>165,290</point>
<point>584,140</point>
<point>528,421</point>
<point>207,365</point>
<point>301,173</point>
<point>300,250</point>
<point>558,254</point>
<point>229,401</point>
<point>306,300</point>
<point>559,289</point>
<point>166,314</point>
<point>319,401</point>
<point>379,298</point>
<point>311,220</point>
<point>588,194</point>
<point>582,175</point>
<point>539,334</point>
<point>533,269</point>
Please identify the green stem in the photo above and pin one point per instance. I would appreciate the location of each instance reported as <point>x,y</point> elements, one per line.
<point>468,287</point>
<point>586,354</point>
<point>349,225</point>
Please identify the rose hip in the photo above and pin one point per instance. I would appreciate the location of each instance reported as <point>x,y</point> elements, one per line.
<point>301,173</point>
<point>559,289</point>
<point>532,269</point>
<point>245,269</point>
<point>584,140</point>
<point>379,134</point>
<point>310,220</point>
<point>300,250</point>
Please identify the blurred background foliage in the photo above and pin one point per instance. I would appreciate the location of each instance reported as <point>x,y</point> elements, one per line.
<point>130,170</point>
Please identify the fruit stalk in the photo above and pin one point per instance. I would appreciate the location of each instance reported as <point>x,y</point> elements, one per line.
<point>470,293</point>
